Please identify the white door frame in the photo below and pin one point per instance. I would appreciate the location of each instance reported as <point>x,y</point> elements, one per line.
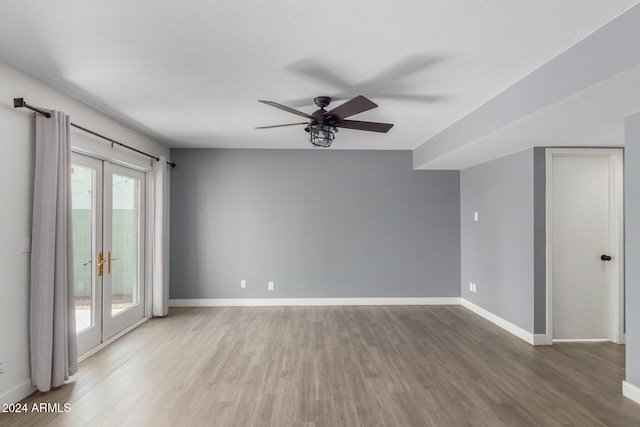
<point>92,336</point>
<point>113,325</point>
<point>616,233</point>
<point>88,145</point>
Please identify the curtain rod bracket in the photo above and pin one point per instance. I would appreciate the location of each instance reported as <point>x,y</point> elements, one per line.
<point>19,103</point>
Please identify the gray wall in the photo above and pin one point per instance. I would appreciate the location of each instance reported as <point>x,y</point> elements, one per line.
<point>632,246</point>
<point>320,223</point>
<point>498,253</point>
<point>539,241</point>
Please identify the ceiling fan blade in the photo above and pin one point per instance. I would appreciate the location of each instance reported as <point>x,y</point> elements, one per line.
<point>352,107</point>
<point>314,70</point>
<point>368,126</point>
<point>285,108</point>
<point>281,126</point>
<point>401,70</point>
<point>427,99</point>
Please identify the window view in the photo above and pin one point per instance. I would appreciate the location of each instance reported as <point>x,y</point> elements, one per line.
<point>82,189</point>
<point>124,252</point>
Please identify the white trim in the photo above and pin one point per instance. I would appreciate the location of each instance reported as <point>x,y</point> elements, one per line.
<point>537,339</point>
<point>278,302</point>
<point>616,332</point>
<point>541,339</point>
<point>548,242</point>
<point>17,393</point>
<point>581,340</point>
<point>631,391</point>
<point>505,324</point>
<point>112,339</point>
<point>616,279</point>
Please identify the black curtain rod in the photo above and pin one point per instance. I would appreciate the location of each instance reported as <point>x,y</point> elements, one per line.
<point>20,103</point>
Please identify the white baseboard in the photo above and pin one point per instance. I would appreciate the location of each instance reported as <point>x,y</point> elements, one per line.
<point>541,339</point>
<point>533,339</point>
<point>631,391</point>
<point>280,302</point>
<point>17,393</point>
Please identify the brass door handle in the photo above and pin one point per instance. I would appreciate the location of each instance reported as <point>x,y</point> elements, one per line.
<point>101,261</point>
<point>109,263</point>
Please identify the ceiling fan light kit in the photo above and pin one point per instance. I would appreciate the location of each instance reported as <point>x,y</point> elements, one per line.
<point>321,135</point>
<point>323,124</point>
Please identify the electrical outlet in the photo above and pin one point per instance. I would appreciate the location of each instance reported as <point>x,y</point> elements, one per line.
<point>243,284</point>
<point>474,287</point>
<point>270,286</point>
<point>475,216</point>
<point>471,286</point>
<point>2,365</point>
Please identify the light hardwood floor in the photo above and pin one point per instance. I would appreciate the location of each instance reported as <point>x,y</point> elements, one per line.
<point>338,366</point>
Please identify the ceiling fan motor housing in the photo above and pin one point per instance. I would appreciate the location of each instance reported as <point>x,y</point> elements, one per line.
<point>322,101</point>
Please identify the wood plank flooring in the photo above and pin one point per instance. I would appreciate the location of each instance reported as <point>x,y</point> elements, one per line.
<point>338,366</point>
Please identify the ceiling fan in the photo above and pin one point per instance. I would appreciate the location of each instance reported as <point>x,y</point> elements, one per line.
<point>323,124</point>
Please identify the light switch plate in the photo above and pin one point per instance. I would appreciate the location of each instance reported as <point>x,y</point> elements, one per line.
<point>26,245</point>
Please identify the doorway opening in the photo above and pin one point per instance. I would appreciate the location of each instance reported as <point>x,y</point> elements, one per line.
<point>584,239</point>
<point>109,223</point>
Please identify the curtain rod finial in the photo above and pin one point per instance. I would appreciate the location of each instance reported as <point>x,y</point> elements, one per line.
<point>172,164</point>
<point>18,102</point>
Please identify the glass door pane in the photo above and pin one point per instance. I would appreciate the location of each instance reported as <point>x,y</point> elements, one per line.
<point>83,192</point>
<point>125,244</point>
<point>86,203</point>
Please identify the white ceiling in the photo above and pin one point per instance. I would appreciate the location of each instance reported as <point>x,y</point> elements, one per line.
<point>189,73</point>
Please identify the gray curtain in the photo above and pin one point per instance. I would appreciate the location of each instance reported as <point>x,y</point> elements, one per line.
<point>53,327</point>
<point>160,287</point>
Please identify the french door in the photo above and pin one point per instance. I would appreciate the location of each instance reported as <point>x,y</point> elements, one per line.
<point>108,248</point>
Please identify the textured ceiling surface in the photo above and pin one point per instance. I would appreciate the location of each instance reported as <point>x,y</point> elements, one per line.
<point>190,73</point>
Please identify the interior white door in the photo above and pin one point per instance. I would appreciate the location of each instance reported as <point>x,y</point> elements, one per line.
<point>581,223</point>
